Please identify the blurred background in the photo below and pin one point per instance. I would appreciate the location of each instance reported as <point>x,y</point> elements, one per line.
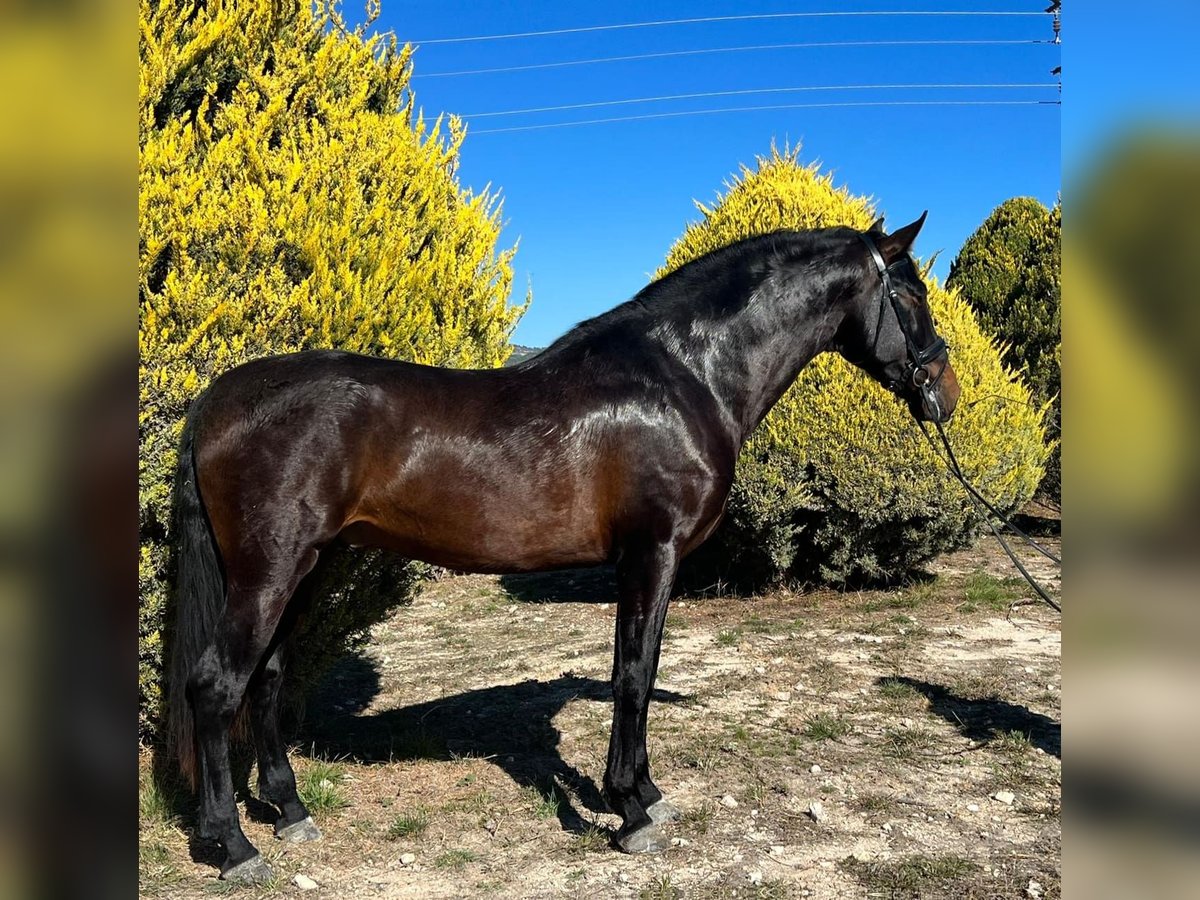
<point>68,406</point>
<point>1131,157</point>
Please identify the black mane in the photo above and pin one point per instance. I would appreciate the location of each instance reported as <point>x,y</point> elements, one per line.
<point>713,287</point>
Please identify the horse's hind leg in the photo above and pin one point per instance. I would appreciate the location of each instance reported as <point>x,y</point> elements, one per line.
<point>276,780</point>
<point>217,686</point>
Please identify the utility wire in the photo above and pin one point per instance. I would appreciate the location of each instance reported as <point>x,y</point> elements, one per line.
<point>732,109</point>
<point>711,19</point>
<point>670,53</point>
<point>738,93</point>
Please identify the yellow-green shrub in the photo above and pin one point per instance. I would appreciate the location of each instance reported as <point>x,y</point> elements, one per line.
<point>1010,272</point>
<point>837,483</point>
<point>291,197</point>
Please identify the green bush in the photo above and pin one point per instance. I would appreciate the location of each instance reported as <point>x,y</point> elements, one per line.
<point>1010,271</point>
<point>837,484</point>
<point>289,198</point>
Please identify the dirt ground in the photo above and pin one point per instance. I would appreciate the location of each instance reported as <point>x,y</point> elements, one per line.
<point>901,743</point>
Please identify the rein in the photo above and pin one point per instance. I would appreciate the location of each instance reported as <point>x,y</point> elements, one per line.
<point>983,506</point>
<point>917,373</point>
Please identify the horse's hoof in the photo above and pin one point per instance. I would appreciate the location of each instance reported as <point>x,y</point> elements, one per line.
<point>645,840</point>
<point>253,871</point>
<point>299,832</point>
<point>663,811</point>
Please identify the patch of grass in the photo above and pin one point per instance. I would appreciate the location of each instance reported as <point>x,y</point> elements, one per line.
<point>409,824</point>
<point>543,804</point>
<point>984,590</point>
<point>156,864</point>
<point>980,685</point>
<point>594,839</point>
<point>456,859</point>
<point>825,674</point>
<point>906,743</point>
<point>320,787</point>
<point>157,801</point>
<point>1013,743</point>
<point>758,625</point>
<point>729,637</point>
<point>826,726</point>
<point>874,803</point>
<point>660,889</point>
<point>916,876</point>
<point>897,691</point>
<point>911,597</point>
<point>697,819</point>
<point>676,623</point>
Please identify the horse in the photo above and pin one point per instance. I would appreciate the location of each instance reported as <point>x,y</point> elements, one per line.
<point>617,444</point>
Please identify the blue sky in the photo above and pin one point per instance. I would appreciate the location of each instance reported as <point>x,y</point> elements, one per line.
<point>596,207</point>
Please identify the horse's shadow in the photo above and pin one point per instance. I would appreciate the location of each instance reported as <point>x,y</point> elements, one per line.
<point>512,726</point>
<point>986,719</point>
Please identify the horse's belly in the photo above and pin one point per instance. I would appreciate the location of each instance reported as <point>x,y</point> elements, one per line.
<point>486,537</point>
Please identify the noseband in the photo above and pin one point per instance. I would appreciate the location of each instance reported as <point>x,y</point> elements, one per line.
<point>916,372</point>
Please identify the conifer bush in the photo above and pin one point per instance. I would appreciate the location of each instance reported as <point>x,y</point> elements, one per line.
<point>837,484</point>
<point>1010,271</point>
<point>291,197</point>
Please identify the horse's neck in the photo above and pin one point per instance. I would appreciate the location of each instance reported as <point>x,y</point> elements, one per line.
<point>752,358</point>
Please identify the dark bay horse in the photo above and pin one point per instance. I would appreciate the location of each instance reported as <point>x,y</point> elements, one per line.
<point>616,444</point>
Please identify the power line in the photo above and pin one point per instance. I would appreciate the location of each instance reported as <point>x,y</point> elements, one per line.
<point>712,19</point>
<point>733,109</point>
<point>777,90</point>
<point>670,53</point>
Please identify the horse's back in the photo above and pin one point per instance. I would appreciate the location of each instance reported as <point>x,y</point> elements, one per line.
<point>494,470</point>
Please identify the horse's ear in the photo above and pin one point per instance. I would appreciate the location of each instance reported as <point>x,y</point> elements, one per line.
<point>896,244</point>
<point>876,226</point>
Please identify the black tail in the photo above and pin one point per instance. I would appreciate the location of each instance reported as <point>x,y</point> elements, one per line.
<point>199,600</point>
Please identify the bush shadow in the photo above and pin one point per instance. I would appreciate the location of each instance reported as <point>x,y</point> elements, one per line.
<point>984,720</point>
<point>512,726</point>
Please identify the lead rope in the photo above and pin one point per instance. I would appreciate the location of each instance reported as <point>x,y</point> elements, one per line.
<point>983,506</point>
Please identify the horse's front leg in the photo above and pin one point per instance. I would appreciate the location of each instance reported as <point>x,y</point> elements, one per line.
<point>644,580</point>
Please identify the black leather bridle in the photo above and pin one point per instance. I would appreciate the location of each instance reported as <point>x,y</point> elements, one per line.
<point>916,372</point>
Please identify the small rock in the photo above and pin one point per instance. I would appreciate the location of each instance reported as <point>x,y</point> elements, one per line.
<point>490,826</point>
<point>816,770</point>
<point>603,606</point>
<point>1029,670</point>
<point>973,807</point>
<point>760,670</point>
<point>680,842</point>
<point>539,618</point>
<point>816,812</point>
<point>778,849</point>
<point>728,802</point>
<point>304,882</point>
<point>886,827</point>
<point>754,813</point>
<point>755,876</point>
<point>1005,797</point>
<point>782,696</point>
<point>407,859</point>
<point>1034,889</point>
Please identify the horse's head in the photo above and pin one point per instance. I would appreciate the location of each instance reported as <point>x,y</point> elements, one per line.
<point>889,332</point>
